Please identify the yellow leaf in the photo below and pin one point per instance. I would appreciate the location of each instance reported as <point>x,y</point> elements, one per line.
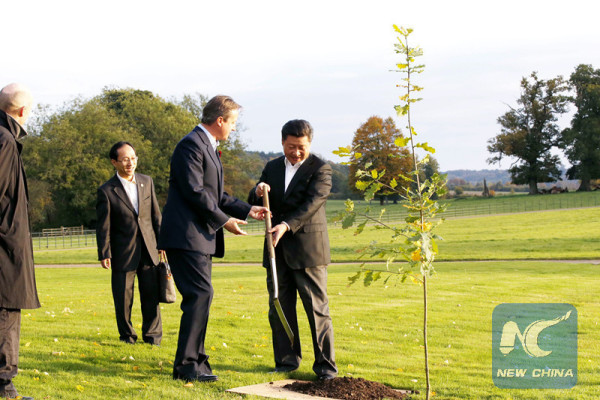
<point>189,384</point>
<point>80,388</point>
<point>416,255</point>
<point>401,141</point>
<point>213,348</point>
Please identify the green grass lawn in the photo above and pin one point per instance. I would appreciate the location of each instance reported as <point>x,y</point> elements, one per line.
<point>70,347</point>
<point>557,234</point>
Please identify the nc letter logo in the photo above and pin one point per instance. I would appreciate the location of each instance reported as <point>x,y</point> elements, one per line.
<point>529,337</point>
<point>534,346</point>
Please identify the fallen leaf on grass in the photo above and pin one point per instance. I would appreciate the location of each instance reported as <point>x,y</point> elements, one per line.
<point>189,384</point>
<point>80,388</point>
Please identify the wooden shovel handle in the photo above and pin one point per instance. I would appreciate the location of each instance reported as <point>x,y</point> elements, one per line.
<point>268,225</point>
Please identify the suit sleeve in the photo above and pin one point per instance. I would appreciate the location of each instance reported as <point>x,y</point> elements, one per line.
<point>156,215</point>
<point>187,165</point>
<point>252,197</point>
<point>318,190</point>
<point>103,225</point>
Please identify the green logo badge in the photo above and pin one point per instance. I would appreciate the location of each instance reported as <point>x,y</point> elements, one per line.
<point>534,346</point>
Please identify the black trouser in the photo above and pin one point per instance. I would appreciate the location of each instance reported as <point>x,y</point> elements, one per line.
<point>123,283</point>
<point>311,285</point>
<point>192,272</point>
<point>10,330</point>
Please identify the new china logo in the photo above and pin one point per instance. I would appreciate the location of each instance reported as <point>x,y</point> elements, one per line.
<point>534,346</point>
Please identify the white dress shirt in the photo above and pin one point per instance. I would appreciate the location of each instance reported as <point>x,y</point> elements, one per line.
<point>213,142</point>
<point>132,191</point>
<point>290,171</point>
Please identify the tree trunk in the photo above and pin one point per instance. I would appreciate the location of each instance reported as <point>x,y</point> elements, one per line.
<point>533,187</point>
<point>584,186</point>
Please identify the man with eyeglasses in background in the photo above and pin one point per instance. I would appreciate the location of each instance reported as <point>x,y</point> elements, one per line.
<point>128,224</point>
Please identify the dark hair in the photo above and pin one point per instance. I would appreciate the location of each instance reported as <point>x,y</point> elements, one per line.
<point>113,153</point>
<point>297,128</point>
<point>218,106</point>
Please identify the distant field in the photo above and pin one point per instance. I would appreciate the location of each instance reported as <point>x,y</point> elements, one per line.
<point>557,234</point>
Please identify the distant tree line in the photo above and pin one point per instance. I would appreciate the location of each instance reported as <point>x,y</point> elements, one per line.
<point>530,132</point>
<point>66,151</point>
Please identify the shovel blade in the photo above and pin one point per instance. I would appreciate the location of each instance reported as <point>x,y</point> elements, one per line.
<point>284,322</point>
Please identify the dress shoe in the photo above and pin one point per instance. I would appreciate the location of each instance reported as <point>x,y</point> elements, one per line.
<point>198,378</point>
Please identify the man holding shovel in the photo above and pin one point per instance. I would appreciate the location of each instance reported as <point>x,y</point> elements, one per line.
<point>297,186</point>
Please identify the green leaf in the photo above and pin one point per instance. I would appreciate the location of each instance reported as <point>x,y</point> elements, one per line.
<point>368,278</point>
<point>354,278</point>
<point>360,228</point>
<point>402,110</point>
<point>393,183</point>
<point>348,221</point>
<point>362,185</point>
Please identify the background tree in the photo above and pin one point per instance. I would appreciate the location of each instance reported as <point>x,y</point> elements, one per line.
<point>530,131</point>
<point>70,155</point>
<point>162,123</point>
<point>66,154</point>
<point>376,141</point>
<point>581,141</point>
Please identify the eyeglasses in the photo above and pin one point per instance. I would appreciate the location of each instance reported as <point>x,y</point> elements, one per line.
<point>126,160</point>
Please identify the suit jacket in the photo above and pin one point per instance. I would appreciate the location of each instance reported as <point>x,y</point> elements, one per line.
<point>302,207</point>
<point>197,206</point>
<point>17,277</point>
<point>121,233</point>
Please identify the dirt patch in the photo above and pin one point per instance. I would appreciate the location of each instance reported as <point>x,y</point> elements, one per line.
<point>346,388</point>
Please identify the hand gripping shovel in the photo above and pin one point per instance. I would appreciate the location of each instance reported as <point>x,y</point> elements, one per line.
<point>276,302</point>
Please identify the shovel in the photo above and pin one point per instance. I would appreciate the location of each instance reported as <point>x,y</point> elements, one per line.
<point>269,236</point>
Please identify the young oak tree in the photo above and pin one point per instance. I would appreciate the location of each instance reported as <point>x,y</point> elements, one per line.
<point>411,247</point>
<point>530,131</point>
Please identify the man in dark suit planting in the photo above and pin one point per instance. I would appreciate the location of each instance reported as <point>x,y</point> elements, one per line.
<point>298,185</point>
<point>197,211</point>
<point>128,223</point>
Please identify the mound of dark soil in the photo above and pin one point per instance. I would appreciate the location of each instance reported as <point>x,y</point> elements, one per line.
<point>346,388</point>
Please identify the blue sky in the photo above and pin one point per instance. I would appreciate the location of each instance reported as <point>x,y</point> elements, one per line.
<point>325,61</point>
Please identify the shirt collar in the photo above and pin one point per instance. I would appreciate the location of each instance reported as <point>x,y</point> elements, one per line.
<point>125,181</point>
<point>288,164</point>
<point>213,142</point>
